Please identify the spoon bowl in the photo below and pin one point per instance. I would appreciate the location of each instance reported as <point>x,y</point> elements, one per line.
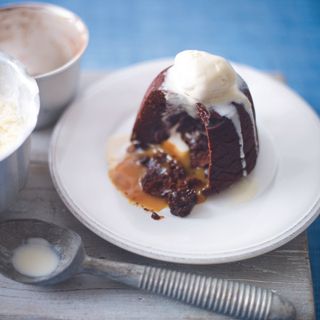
<point>239,300</point>
<point>66,243</point>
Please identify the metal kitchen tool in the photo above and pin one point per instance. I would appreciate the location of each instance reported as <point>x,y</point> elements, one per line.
<point>235,299</point>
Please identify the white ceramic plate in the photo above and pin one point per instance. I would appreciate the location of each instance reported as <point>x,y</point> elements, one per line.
<point>277,202</point>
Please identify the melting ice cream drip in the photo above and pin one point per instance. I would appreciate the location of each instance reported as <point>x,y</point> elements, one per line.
<point>230,111</point>
<point>249,109</point>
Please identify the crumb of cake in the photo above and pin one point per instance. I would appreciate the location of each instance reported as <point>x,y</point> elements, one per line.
<point>156,216</point>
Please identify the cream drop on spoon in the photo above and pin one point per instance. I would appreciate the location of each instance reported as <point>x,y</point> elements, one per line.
<point>35,258</point>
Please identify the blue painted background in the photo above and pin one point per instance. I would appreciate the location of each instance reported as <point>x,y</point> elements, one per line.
<point>281,35</point>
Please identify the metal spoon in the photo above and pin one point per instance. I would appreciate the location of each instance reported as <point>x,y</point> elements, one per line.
<point>230,298</point>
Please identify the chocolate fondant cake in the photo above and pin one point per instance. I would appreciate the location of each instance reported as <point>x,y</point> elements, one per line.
<point>195,132</point>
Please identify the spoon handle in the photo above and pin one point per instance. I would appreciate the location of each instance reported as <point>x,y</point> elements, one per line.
<point>231,298</point>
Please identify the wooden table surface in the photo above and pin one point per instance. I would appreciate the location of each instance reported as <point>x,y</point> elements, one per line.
<point>86,297</point>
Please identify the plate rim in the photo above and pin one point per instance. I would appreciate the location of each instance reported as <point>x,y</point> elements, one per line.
<point>217,258</point>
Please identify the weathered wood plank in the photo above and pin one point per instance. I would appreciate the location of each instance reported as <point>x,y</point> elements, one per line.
<point>85,297</point>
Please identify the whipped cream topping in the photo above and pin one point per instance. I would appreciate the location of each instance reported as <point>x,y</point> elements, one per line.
<point>11,124</point>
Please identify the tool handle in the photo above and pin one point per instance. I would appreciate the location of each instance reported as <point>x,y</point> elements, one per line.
<point>231,298</point>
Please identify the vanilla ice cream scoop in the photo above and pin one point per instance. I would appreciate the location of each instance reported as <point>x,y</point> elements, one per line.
<point>198,76</point>
<point>201,76</point>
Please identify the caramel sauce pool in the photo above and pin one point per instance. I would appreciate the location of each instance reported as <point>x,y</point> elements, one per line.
<point>126,177</point>
<point>127,173</point>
